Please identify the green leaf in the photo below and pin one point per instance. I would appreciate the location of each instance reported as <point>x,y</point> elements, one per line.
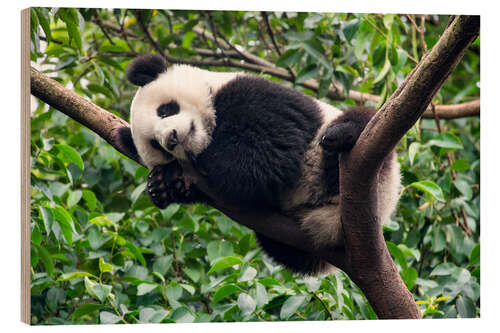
<point>246,304</point>
<point>145,288</point>
<point>73,198</point>
<point>351,28</point>
<point>70,17</point>
<point>225,291</point>
<point>446,140</point>
<point>291,305</point>
<point>465,307</point>
<point>464,188</point>
<point>43,19</point>
<point>347,69</point>
<point>398,255</point>
<point>475,256</point>
<point>307,73</point>
<point>162,264</point>
<point>314,48</point>
<point>86,309</point>
<point>136,252</point>
<point>225,262</point>
<point>388,19</point>
<point>69,154</point>
<point>106,317</point>
<point>46,259</point>
<point>104,267</point>
<point>137,192</point>
<point>443,269</point>
<point>438,239</point>
<point>247,274</point>
<point>47,217</point>
<point>187,39</point>
<point>99,89</point>
<point>413,149</point>
<point>65,222</point>
<point>90,198</point>
<point>461,164</point>
<point>102,221</point>
<point>289,58</point>
<point>383,72</point>
<point>97,290</point>
<point>74,275</point>
<point>183,315</point>
<point>430,188</point>
<point>261,295</point>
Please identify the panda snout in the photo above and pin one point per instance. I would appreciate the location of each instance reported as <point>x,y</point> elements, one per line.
<point>172,140</point>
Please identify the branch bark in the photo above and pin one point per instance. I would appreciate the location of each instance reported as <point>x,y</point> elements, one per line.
<point>366,258</point>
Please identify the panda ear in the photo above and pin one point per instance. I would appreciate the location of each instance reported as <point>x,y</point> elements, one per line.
<point>145,69</point>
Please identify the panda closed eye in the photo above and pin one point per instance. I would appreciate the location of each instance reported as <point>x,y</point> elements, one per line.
<point>168,109</point>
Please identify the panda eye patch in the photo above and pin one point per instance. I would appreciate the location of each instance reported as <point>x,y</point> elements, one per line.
<point>168,109</point>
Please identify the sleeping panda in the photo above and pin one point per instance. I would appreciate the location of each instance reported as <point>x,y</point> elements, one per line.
<point>258,144</point>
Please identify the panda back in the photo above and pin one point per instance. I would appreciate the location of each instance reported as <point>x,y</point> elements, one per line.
<point>262,131</point>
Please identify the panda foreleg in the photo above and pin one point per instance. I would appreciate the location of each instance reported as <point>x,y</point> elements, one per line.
<point>343,132</point>
<point>166,184</point>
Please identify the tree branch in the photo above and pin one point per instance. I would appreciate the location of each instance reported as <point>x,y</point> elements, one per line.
<point>373,269</point>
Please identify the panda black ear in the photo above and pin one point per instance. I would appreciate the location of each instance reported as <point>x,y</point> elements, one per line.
<point>145,69</point>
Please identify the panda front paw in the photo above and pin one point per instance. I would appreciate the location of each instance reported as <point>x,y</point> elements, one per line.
<point>166,185</point>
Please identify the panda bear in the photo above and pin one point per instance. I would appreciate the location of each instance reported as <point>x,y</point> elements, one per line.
<point>259,145</point>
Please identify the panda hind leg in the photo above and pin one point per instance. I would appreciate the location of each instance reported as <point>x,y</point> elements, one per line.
<point>292,258</point>
<point>166,185</point>
<point>343,132</point>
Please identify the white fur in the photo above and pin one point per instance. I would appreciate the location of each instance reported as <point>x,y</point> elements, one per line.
<point>191,88</point>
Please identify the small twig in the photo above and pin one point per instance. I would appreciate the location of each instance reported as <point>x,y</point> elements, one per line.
<point>97,20</point>
<point>324,305</point>
<point>421,32</point>
<point>236,25</point>
<point>214,33</point>
<point>273,40</point>
<point>145,30</point>
<point>385,36</point>
<point>270,32</point>
<point>176,262</point>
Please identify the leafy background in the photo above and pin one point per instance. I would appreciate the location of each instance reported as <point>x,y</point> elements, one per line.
<point>102,253</point>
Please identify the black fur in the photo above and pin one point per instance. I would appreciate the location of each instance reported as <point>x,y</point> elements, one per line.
<point>344,131</point>
<point>124,139</point>
<point>168,109</point>
<point>258,145</point>
<point>166,185</point>
<point>340,136</point>
<point>145,69</point>
<point>292,258</point>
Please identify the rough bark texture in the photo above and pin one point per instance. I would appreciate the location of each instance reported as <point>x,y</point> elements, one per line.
<point>100,121</point>
<point>366,259</point>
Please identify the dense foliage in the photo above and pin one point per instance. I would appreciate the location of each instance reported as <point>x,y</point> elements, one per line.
<point>102,253</point>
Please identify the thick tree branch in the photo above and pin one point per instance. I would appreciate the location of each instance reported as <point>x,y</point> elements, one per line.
<point>373,269</point>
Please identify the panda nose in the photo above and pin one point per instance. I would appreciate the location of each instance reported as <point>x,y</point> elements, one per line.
<point>172,140</point>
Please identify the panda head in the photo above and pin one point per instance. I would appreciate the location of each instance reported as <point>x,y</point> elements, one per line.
<point>171,115</point>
